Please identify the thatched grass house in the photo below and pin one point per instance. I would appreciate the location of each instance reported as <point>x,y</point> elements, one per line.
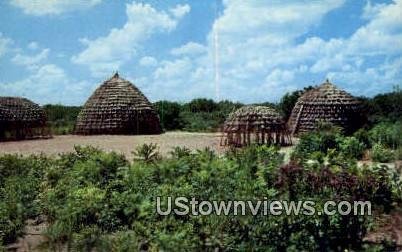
<point>254,124</point>
<point>325,103</point>
<point>22,119</point>
<point>117,107</point>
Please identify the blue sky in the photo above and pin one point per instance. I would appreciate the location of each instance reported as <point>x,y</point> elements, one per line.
<point>59,51</point>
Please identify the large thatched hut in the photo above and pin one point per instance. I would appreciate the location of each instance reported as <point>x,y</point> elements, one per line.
<point>254,124</point>
<point>21,119</point>
<point>325,103</point>
<point>117,107</point>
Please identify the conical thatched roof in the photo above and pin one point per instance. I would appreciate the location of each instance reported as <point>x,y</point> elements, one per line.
<point>254,124</point>
<point>325,103</point>
<point>21,111</point>
<point>117,107</point>
<point>21,119</point>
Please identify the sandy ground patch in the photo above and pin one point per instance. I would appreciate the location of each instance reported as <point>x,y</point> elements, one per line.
<point>119,143</point>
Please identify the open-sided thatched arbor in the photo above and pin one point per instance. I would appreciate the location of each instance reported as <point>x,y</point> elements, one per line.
<point>254,124</point>
<point>325,103</point>
<point>117,107</point>
<point>22,119</point>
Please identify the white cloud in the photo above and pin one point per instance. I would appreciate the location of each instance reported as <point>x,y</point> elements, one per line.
<point>180,10</point>
<point>30,61</point>
<point>33,45</point>
<point>260,56</point>
<point>173,69</point>
<point>52,7</point>
<point>49,84</point>
<point>191,48</point>
<point>4,44</point>
<point>111,51</point>
<point>371,10</point>
<point>148,61</point>
<point>246,41</point>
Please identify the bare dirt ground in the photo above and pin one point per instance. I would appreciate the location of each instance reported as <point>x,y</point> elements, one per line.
<point>118,143</point>
<point>124,144</point>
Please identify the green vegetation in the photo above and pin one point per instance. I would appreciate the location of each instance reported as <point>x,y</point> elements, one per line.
<point>328,140</point>
<point>382,154</point>
<point>102,201</point>
<point>197,115</point>
<point>61,118</point>
<point>384,107</point>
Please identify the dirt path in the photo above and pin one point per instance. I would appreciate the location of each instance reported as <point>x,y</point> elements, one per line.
<point>118,143</point>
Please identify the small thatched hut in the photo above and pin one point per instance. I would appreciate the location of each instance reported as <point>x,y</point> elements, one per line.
<point>325,103</point>
<point>117,107</point>
<point>254,124</point>
<point>21,119</point>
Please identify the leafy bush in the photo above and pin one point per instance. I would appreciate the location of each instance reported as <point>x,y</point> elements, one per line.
<point>20,183</point>
<point>387,134</point>
<point>362,135</point>
<point>147,153</point>
<point>398,153</point>
<point>351,147</point>
<point>382,154</point>
<point>327,140</point>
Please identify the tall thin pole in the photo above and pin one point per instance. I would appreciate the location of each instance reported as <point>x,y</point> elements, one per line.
<point>216,54</point>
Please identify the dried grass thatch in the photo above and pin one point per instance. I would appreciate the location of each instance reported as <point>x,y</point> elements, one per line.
<point>254,124</point>
<point>21,119</point>
<point>325,103</point>
<point>117,107</point>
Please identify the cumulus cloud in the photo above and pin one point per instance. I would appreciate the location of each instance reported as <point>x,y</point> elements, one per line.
<point>254,52</point>
<point>48,84</point>
<point>30,61</point>
<point>52,7</point>
<point>238,61</point>
<point>44,82</point>
<point>120,45</point>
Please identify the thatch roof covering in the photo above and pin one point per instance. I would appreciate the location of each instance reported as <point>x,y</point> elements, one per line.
<point>255,124</point>
<point>20,118</point>
<point>21,111</point>
<point>325,103</point>
<point>253,118</point>
<point>117,107</point>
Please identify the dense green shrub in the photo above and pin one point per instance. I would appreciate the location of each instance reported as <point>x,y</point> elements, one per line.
<point>398,153</point>
<point>20,186</point>
<point>351,147</point>
<point>362,135</point>
<point>99,201</point>
<point>316,145</point>
<point>382,154</point>
<point>388,134</point>
<point>147,153</point>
